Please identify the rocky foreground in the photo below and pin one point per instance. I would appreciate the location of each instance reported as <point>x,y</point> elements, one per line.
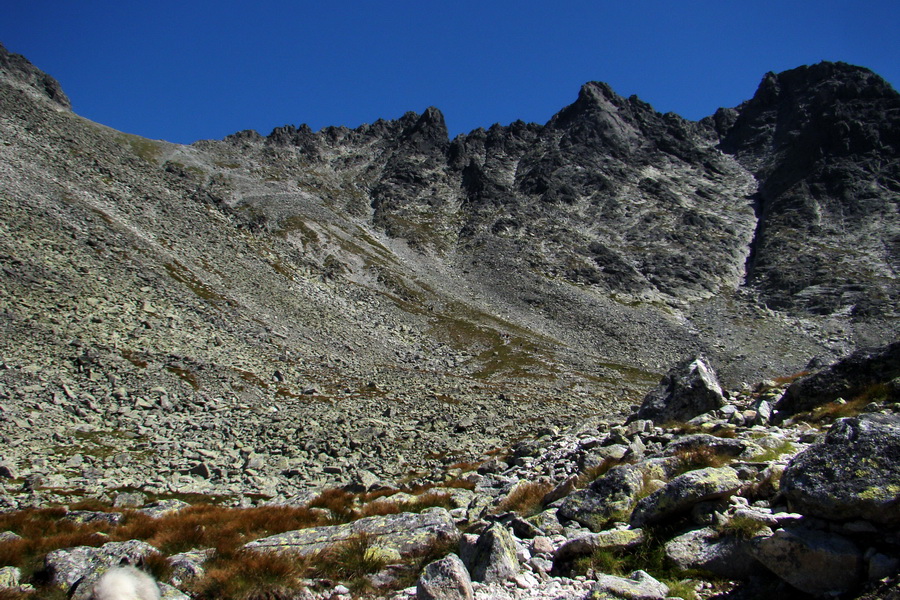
<point>789,489</point>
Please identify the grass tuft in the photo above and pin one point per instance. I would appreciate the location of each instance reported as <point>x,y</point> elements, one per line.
<point>774,453</point>
<point>741,527</point>
<point>701,457</point>
<point>525,498</point>
<point>246,575</point>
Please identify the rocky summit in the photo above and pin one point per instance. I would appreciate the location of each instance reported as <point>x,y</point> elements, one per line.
<point>580,307</point>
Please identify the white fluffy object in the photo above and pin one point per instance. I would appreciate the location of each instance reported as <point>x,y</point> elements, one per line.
<point>125,583</point>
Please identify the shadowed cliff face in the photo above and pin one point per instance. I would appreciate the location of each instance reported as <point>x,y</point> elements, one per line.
<point>459,291</point>
<point>822,142</point>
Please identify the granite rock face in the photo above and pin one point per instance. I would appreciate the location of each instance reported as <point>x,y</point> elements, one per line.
<point>853,474</point>
<point>847,378</point>
<point>814,137</point>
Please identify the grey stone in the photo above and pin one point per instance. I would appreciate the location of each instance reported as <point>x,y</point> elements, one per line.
<point>10,577</point>
<point>583,545</point>
<point>161,508</point>
<point>853,474</point>
<point>187,565</point>
<point>685,491</point>
<point>688,389</point>
<point>76,569</point>
<point>445,579</point>
<point>640,585</point>
<point>815,562</point>
<point>847,378</point>
<point>494,558</point>
<point>706,549</point>
<point>612,496</point>
<point>403,534</point>
<point>129,500</point>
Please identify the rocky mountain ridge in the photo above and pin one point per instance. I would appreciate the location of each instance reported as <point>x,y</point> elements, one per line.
<point>387,301</point>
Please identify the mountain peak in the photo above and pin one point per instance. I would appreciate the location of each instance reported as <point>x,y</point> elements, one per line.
<point>18,69</point>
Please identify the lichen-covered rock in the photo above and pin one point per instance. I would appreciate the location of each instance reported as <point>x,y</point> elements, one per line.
<point>846,379</point>
<point>612,496</point>
<point>404,534</point>
<point>719,445</point>
<point>689,389</point>
<point>494,557</point>
<point>639,586</point>
<point>445,579</point>
<point>853,474</point>
<point>685,491</point>
<point>75,570</point>
<point>708,550</point>
<point>10,577</point>
<point>583,545</point>
<point>186,565</point>
<point>815,562</point>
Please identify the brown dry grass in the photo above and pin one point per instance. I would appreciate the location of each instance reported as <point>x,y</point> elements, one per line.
<point>691,459</point>
<point>589,475</point>
<point>207,526</point>
<point>525,499</point>
<point>246,575</point>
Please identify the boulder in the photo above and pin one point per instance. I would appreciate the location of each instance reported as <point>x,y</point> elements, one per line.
<point>847,378</point>
<point>10,577</point>
<point>814,562</point>
<point>403,534</point>
<point>639,586</point>
<point>75,570</point>
<point>584,545</point>
<point>683,492</point>
<point>706,549</point>
<point>494,557</point>
<point>612,496</point>
<point>853,474</point>
<point>689,389</point>
<point>445,579</point>
<point>718,445</point>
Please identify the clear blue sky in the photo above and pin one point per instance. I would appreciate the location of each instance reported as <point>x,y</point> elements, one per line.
<point>196,69</point>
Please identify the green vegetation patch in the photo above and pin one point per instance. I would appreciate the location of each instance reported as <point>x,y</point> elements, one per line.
<point>149,150</point>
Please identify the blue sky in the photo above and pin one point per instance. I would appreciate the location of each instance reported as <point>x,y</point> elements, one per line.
<point>197,69</point>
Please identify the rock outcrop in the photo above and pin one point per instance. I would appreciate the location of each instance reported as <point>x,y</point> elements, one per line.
<point>853,474</point>
<point>689,389</point>
<point>867,370</point>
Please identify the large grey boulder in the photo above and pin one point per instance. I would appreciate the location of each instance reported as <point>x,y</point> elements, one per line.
<point>445,579</point>
<point>639,586</point>
<point>706,549</point>
<point>689,389</point>
<point>853,474</point>
<point>399,535</point>
<point>584,545</point>
<point>846,378</point>
<point>815,562</point>
<point>75,570</point>
<point>612,496</point>
<point>684,492</point>
<point>494,557</point>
